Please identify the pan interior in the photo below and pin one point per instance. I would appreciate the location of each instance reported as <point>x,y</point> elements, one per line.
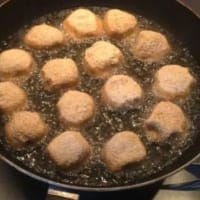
<point>105,123</point>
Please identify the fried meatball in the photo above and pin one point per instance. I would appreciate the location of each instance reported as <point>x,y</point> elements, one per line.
<point>69,149</point>
<point>11,97</point>
<point>121,92</point>
<point>122,149</point>
<point>83,23</point>
<point>43,36</point>
<point>102,57</point>
<point>75,108</point>
<point>151,46</point>
<point>172,81</point>
<point>25,128</point>
<point>118,23</point>
<point>58,73</point>
<point>14,62</point>
<point>166,119</point>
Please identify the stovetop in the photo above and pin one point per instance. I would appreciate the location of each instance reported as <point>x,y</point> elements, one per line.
<point>16,186</point>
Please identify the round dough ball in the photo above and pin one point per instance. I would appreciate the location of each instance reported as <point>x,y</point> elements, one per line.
<point>25,128</point>
<point>166,119</point>
<point>173,81</point>
<point>151,47</point>
<point>11,97</point>
<point>75,108</point>
<point>122,149</point>
<point>83,23</point>
<point>43,36</point>
<point>69,149</point>
<point>121,92</point>
<point>101,58</point>
<point>15,62</point>
<point>59,73</point>
<point>118,23</point>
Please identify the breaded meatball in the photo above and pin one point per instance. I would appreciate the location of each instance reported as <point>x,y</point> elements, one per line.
<point>151,47</point>
<point>14,62</point>
<point>43,36</point>
<point>83,23</point>
<point>69,149</point>
<point>11,97</point>
<point>122,149</point>
<point>118,23</point>
<point>172,81</point>
<point>58,73</point>
<point>25,128</point>
<point>75,108</point>
<point>101,58</point>
<point>121,92</point>
<point>166,119</point>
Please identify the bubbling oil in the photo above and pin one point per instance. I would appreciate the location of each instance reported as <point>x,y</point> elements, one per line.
<point>105,123</point>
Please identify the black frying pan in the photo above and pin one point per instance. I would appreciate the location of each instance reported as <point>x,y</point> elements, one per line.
<point>169,13</point>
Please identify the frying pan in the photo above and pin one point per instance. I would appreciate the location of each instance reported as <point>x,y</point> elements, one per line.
<point>173,15</point>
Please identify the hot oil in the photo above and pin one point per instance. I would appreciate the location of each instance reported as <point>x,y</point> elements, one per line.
<point>105,123</point>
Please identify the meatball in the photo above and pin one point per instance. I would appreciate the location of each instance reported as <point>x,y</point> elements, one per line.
<point>172,81</point>
<point>151,46</point>
<point>118,23</point>
<point>68,149</point>
<point>121,92</point>
<point>25,128</point>
<point>58,73</point>
<point>123,149</point>
<point>101,58</point>
<point>14,62</point>
<point>166,119</point>
<point>75,108</point>
<point>43,36</point>
<point>11,97</point>
<point>82,23</point>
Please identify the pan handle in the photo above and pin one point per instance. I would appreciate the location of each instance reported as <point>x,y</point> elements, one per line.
<point>55,193</point>
<point>194,169</point>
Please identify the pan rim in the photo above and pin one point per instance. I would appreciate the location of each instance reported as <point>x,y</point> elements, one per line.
<point>94,189</point>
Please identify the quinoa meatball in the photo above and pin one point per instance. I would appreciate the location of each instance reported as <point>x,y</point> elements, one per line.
<point>75,108</point>
<point>172,81</point>
<point>69,149</point>
<point>43,36</point>
<point>101,58</point>
<point>83,23</point>
<point>121,92</point>
<point>25,128</point>
<point>118,23</point>
<point>58,73</point>
<point>11,97</point>
<point>123,149</point>
<point>14,62</point>
<point>166,119</point>
<point>151,46</point>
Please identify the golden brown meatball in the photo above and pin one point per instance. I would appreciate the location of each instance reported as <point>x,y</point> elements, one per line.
<point>122,149</point>
<point>11,97</point>
<point>14,62</point>
<point>60,72</point>
<point>121,92</point>
<point>69,149</point>
<point>83,23</point>
<point>118,23</point>
<point>43,36</point>
<point>75,108</point>
<point>25,128</point>
<point>151,47</point>
<point>166,119</point>
<point>172,81</point>
<point>101,58</point>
